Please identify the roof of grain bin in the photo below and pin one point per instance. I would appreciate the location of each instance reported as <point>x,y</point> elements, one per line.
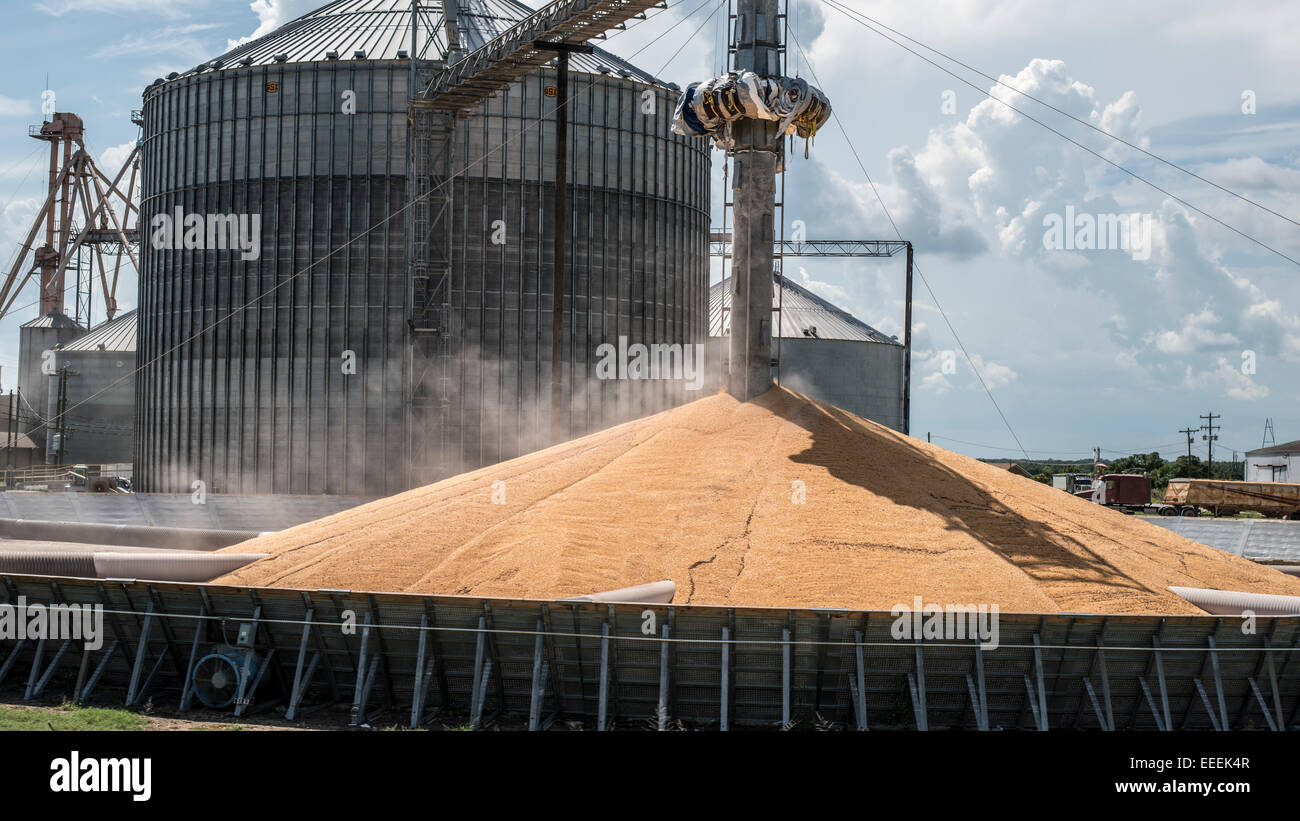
<point>379,29</point>
<point>116,335</point>
<point>53,319</point>
<point>803,314</point>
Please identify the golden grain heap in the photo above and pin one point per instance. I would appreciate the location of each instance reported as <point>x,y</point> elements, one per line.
<point>782,501</point>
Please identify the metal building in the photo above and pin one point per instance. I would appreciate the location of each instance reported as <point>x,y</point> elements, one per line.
<point>826,353</point>
<point>37,338</point>
<point>90,396</point>
<point>1275,463</point>
<point>291,372</point>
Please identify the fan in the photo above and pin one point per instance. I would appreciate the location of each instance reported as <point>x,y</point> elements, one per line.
<point>217,677</point>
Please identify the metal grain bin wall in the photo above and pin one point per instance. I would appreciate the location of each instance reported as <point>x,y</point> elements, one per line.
<point>243,382</point>
<point>637,261</point>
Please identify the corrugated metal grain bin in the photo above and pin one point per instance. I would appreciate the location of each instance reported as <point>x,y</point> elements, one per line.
<point>245,383</point>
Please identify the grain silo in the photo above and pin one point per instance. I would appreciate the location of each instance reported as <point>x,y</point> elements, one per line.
<point>90,395</point>
<point>826,352</point>
<point>283,365</point>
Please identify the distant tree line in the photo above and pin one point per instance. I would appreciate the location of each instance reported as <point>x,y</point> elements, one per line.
<point>1151,465</point>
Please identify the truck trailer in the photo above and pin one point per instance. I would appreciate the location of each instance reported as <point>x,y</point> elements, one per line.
<point>1131,493</point>
<point>1275,500</point>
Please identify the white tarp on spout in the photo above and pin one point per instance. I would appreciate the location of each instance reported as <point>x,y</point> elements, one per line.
<point>708,109</point>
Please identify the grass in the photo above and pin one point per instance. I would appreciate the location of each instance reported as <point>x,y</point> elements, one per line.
<point>68,717</point>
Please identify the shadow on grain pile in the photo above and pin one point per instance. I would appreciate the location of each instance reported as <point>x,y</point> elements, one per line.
<point>782,501</point>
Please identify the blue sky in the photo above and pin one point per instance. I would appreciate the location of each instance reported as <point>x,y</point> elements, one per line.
<point>1080,348</point>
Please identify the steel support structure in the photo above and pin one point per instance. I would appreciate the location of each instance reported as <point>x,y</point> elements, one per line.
<point>506,661</point>
<point>757,158</point>
<point>83,210</point>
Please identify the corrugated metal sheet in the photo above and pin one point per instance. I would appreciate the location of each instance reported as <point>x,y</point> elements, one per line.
<point>803,314</point>
<point>241,384</point>
<point>117,335</point>
<point>1283,449</point>
<point>1251,538</point>
<point>381,28</point>
<point>51,320</point>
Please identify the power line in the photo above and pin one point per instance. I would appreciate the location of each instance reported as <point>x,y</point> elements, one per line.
<point>1069,139</point>
<point>915,267</point>
<point>1083,122</point>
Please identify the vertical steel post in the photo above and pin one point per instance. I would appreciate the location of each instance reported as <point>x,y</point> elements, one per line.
<point>907,345</point>
<point>560,241</point>
<point>757,154</point>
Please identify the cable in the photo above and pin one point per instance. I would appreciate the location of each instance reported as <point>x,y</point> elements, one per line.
<point>915,267</point>
<point>1068,453</point>
<point>1069,139</point>
<point>694,34</point>
<point>1062,112</point>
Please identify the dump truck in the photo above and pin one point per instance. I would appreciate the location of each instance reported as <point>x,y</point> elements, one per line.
<point>1275,500</point>
<point>1131,493</point>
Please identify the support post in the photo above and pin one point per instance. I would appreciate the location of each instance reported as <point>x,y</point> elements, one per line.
<point>141,650</point>
<point>537,693</point>
<point>603,704</point>
<point>785,677</point>
<point>916,684</point>
<point>662,711</point>
<point>860,696</point>
<point>907,345</point>
<point>560,229</point>
<point>299,685</point>
<point>757,157</point>
<point>723,697</point>
<point>558,429</point>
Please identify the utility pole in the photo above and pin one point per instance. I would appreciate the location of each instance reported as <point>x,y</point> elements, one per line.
<point>1190,433</point>
<point>757,154</point>
<point>560,229</point>
<point>1210,437</point>
<point>63,411</point>
<point>1268,434</point>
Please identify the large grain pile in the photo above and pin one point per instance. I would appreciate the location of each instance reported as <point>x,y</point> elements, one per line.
<point>782,501</point>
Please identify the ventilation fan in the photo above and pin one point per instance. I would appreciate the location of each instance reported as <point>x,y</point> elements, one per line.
<point>217,677</point>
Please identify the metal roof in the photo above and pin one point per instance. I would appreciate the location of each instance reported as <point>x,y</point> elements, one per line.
<point>53,319</point>
<point>116,335</point>
<point>381,28</point>
<point>1284,448</point>
<point>801,311</point>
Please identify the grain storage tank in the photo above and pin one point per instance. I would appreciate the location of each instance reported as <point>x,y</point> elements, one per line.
<point>92,385</point>
<point>37,338</point>
<point>826,353</point>
<point>283,364</point>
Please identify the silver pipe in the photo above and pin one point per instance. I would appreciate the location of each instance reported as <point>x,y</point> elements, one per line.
<point>161,566</point>
<point>653,593</point>
<point>179,538</point>
<point>1234,603</point>
<point>171,567</point>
